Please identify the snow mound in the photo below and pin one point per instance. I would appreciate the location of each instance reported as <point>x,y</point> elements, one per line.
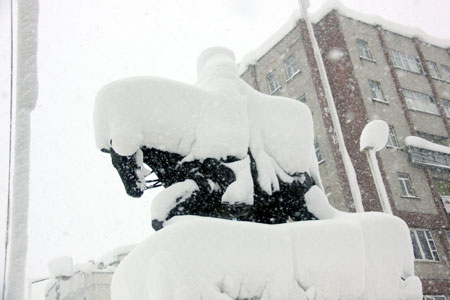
<point>350,256</point>
<point>415,141</point>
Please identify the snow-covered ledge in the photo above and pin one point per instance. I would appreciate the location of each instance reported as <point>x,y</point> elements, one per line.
<point>426,153</point>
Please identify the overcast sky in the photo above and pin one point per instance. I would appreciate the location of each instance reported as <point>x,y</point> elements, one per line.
<point>78,204</point>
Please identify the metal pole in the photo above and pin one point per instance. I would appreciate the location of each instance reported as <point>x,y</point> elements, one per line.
<point>349,170</point>
<point>376,174</point>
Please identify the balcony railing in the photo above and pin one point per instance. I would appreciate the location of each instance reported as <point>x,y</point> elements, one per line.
<point>423,152</point>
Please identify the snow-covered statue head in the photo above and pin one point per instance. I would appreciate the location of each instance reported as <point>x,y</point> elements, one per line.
<point>219,147</point>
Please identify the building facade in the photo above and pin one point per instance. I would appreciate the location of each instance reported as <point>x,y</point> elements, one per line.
<point>376,73</point>
<point>89,281</point>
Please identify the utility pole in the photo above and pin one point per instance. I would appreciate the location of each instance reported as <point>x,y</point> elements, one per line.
<point>349,169</point>
<point>26,91</point>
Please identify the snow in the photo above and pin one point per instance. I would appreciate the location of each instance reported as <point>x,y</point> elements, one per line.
<point>415,141</point>
<point>349,256</point>
<point>335,54</point>
<point>374,136</point>
<point>61,267</point>
<point>26,96</point>
<point>217,117</point>
<point>241,190</point>
<point>167,199</point>
<point>114,255</point>
<point>316,16</point>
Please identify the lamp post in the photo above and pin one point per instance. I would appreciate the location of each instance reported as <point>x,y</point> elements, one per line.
<point>374,138</point>
<point>30,285</point>
<point>348,166</point>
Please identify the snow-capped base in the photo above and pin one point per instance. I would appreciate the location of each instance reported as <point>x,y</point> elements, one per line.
<point>351,256</point>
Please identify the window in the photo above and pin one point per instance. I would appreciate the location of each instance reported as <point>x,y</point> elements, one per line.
<point>291,67</point>
<point>434,71</point>
<point>429,158</point>
<point>392,138</point>
<point>406,62</point>
<point>446,70</point>
<point>273,83</point>
<point>405,184</point>
<point>428,297</point>
<point>423,245</point>
<point>446,104</point>
<point>421,102</point>
<point>302,99</point>
<point>318,153</point>
<point>377,92</point>
<point>446,202</point>
<point>363,48</point>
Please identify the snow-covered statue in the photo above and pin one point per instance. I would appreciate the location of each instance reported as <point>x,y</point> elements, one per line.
<point>223,150</point>
<point>219,147</point>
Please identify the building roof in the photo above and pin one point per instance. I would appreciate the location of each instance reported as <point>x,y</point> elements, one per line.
<point>408,31</point>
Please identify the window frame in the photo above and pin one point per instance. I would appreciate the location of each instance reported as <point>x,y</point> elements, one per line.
<point>364,50</point>
<point>444,199</point>
<point>272,82</point>
<point>406,186</point>
<point>422,102</point>
<point>392,138</point>
<point>318,152</point>
<point>406,62</point>
<point>434,297</point>
<point>375,86</point>
<point>429,241</point>
<point>434,70</point>
<point>446,71</point>
<point>302,99</point>
<point>446,105</point>
<point>289,63</point>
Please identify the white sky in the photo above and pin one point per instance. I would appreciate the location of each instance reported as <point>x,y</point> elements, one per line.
<point>78,203</point>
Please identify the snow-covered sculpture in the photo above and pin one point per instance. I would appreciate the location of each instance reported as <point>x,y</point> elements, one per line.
<point>222,149</point>
<point>219,147</point>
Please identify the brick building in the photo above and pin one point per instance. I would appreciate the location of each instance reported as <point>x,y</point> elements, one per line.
<point>375,72</point>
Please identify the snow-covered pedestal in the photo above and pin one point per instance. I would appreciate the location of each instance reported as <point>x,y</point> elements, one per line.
<point>224,150</point>
<point>358,256</point>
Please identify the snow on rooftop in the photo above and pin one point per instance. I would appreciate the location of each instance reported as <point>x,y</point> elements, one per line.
<point>415,141</point>
<point>316,16</point>
<point>114,255</point>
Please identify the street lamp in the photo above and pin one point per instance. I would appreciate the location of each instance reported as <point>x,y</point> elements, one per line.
<point>374,138</point>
